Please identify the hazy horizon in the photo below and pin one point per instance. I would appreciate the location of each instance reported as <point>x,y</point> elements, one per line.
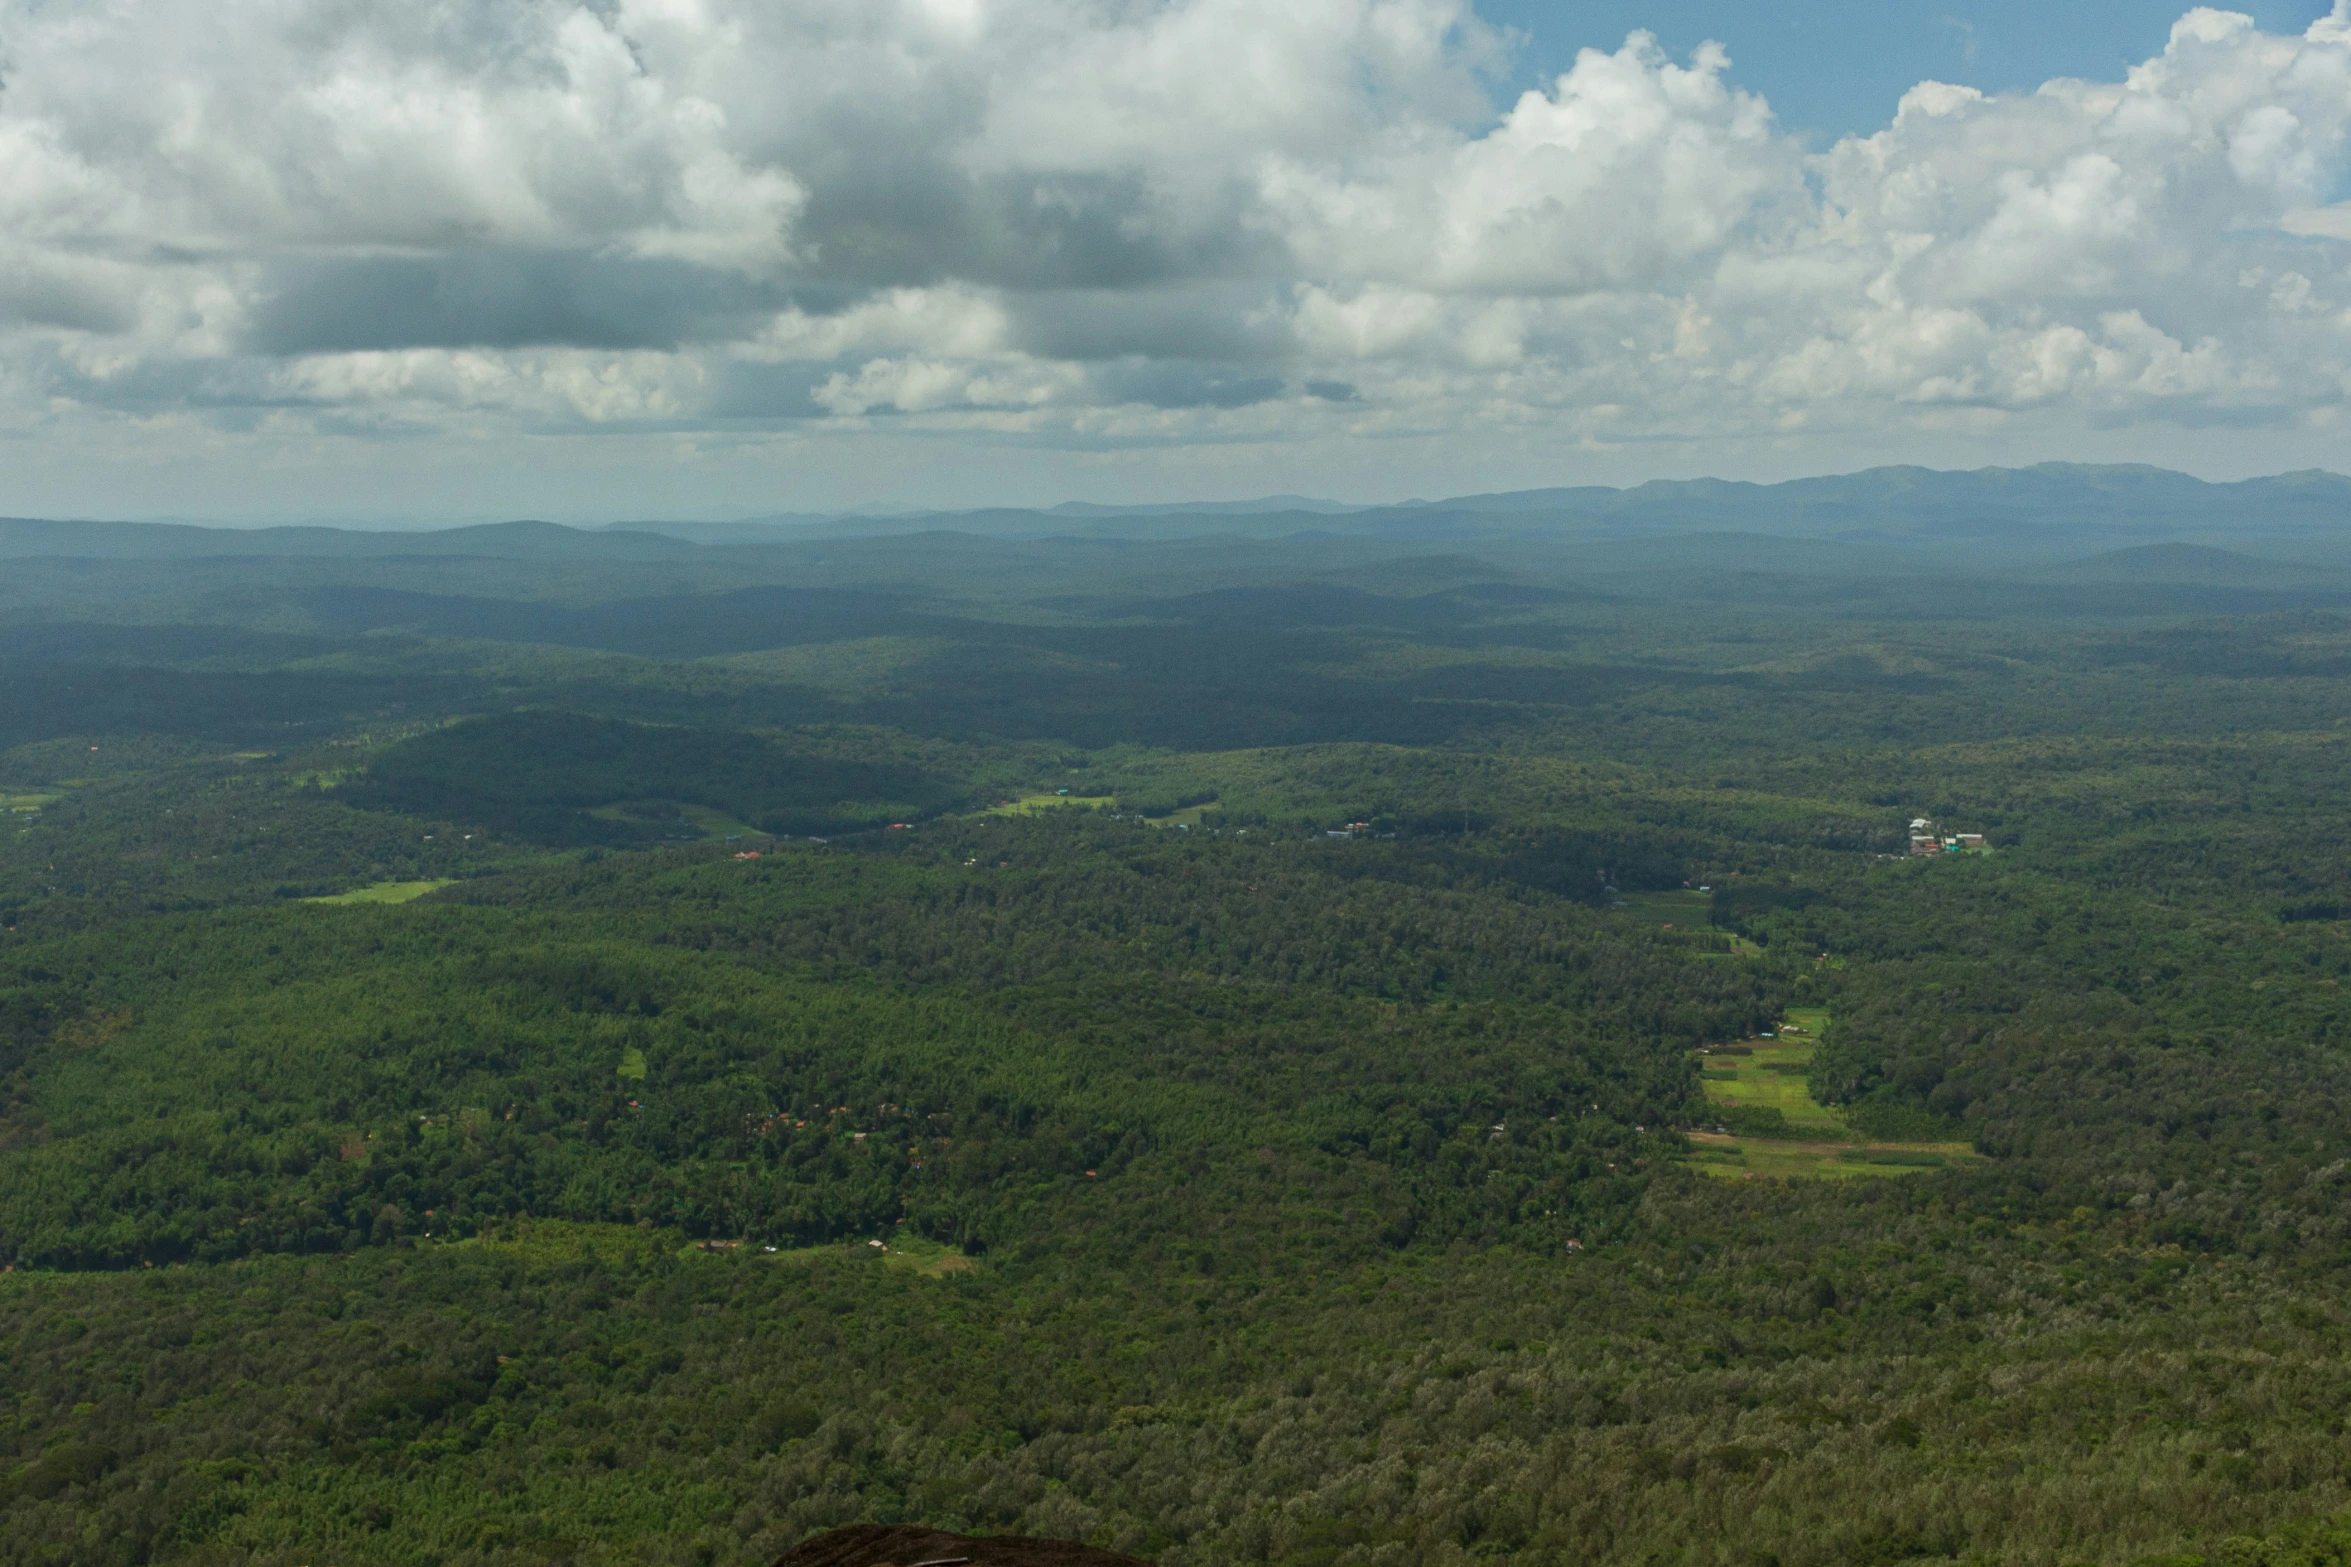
<point>304,262</point>
<point>1239,505</point>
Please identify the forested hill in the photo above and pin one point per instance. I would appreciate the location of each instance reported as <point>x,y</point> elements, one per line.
<point>23,537</point>
<point>2026,514</point>
<point>1316,1051</point>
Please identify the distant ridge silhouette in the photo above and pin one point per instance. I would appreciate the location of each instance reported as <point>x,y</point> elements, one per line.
<point>2079,506</point>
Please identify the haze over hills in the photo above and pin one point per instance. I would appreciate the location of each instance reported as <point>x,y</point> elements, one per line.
<point>2037,512</point>
<point>526,1022</point>
<point>2200,563</point>
<point>28,537</point>
<point>2081,541</point>
<point>2043,513</point>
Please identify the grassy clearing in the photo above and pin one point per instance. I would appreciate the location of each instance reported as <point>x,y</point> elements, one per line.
<point>1031,804</point>
<point>1685,908</point>
<point>717,824</point>
<point>1756,1158</point>
<point>910,1253</point>
<point>929,1258</point>
<point>1770,1074</point>
<point>383,892</point>
<point>28,802</point>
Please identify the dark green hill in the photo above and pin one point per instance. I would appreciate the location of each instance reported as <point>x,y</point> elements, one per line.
<point>540,541</point>
<point>539,776</point>
<point>2026,512</point>
<point>2202,565</point>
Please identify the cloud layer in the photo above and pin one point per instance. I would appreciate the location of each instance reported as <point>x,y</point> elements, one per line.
<point>1137,223</point>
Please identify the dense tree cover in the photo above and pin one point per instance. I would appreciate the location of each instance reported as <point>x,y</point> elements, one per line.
<point>1004,902</point>
<point>202,831</point>
<point>1459,1061</point>
<point>1243,1193</point>
<point>1915,1385</point>
<point>537,776</point>
<point>1715,673</point>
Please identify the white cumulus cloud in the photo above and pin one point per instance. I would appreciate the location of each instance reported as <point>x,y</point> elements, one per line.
<point>1198,219</point>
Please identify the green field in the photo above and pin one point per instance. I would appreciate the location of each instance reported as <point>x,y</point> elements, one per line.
<point>914,1254</point>
<point>1684,908</point>
<point>1771,1074</point>
<point>903,1253</point>
<point>1737,1158</point>
<point>1030,804</point>
<point>717,824</point>
<point>27,802</point>
<point>383,892</point>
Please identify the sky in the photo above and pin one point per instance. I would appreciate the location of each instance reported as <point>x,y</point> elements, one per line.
<point>1840,67</point>
<point>269,260</point>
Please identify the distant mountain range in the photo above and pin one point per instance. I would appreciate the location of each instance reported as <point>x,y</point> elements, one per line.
<point>25,537</point>
<point>1985,517</point>
<point>1988,519</point>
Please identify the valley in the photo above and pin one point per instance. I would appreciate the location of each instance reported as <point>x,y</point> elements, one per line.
<point>1438,1055</point>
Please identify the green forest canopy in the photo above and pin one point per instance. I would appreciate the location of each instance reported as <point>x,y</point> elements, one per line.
<point>1283,1157</point>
